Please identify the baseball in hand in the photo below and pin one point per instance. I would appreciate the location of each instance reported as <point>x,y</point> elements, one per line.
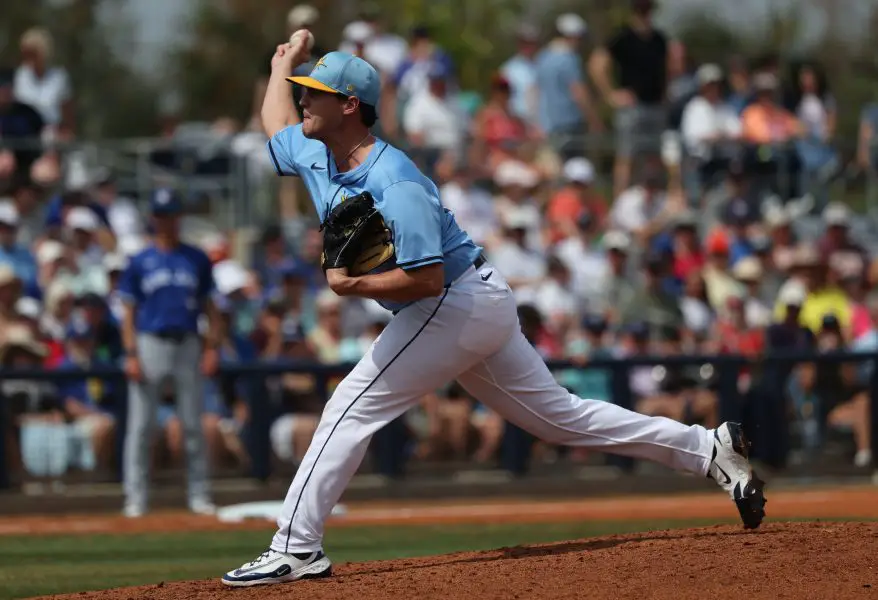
<point>297,36</point>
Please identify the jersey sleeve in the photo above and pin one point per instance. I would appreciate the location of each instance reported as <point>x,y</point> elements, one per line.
<point>285,148</point>
<point>415,217</point>
<point>129,284</point>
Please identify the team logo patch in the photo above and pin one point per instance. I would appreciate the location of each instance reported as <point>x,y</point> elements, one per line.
<point>319,63</point>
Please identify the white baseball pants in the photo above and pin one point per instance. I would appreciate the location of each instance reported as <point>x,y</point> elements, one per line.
<point>471,334</point>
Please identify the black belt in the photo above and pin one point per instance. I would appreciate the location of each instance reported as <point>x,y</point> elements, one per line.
<point>479,261</point>
<point>173,335</point>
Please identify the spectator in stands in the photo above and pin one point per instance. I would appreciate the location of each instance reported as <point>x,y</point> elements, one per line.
<point>521,265</point>
<point>472,205</point>
<point>618,287</point>
<point>815,108</point>
<point>587,343</point>
<point>20,127</point>
<point>697,314</point>
<point>651,304</point>
<point>740,91</point>
<point>844,256</point>
<point>688,255</point>
<point>12,253</point>
<point>516,202</point>
<point>741,215</point>
<point>107,338</point>
<point>520,71</point>
<point>81,225</point>
<point>638,52</point>
<point>412,77</point>
<point>554,297</point>
<point>385,51</point>
<point>122,214</point>
<point>10,292</point>
<point>115,264</point>
<point>720,283</point>
<point>271,257</point>
<point>642,210</point>
<point>709,125</point>
<point>326,336</point>
<point>59,303</point>
<point>432,122</point>
<point>823,297</point>
<point>44,86</point>
<point>565,107</point>
<point>498,133</point>
<point>87,403</point>
<point>867,148</point>
<point>354,38</point>
<point>233,283</point>
<point>34,411</point>
<point>682,85</point>
<point>586,260</point>
<point>26,197</point>
<point>748,271</point>
<point>296,399</point>
<point>28,312</point>
<point>783,239</point>
<point>574,199</point>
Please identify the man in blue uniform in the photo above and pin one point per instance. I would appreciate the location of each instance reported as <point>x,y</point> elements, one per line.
<point>166,288</point>
<point>455,318</point>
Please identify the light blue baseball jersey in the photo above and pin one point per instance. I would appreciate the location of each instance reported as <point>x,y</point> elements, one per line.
<point>424,232</point>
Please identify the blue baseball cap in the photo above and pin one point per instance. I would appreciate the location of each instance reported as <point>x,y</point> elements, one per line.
<point>292,332</point>
<point>79,329</point>
<point>346,74</point>
<point>165,201</point>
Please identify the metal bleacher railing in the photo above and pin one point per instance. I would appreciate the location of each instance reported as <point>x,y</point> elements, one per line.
<point>766,406</point>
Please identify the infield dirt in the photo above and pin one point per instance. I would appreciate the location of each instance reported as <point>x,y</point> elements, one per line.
<point>780,560</point>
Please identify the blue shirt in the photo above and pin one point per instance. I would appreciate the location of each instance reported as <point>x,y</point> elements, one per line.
<point>521,73</point>
<point>94,392</point>
<point>169,289</point>
<point>557,69</point>
<point>23,263</point>
<point>424,233</point>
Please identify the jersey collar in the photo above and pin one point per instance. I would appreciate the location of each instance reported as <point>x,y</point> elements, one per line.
<point>349,177</point>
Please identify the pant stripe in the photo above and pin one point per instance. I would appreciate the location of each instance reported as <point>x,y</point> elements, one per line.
<point>350,406</point>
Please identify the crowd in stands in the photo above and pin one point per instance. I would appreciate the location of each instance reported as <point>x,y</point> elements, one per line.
<point>710,229</point>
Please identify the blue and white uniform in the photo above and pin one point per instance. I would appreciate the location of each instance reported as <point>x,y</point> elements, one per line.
<point>169,290</point>
<point>469,333</point>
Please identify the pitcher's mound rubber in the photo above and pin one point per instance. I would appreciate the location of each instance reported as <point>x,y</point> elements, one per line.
<point>779,560</point>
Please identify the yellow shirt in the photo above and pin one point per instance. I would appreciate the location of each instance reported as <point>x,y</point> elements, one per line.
<point>819,303</point>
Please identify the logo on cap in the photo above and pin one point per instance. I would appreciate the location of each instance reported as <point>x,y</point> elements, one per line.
<point>350,87</point>
<point>320,63</point>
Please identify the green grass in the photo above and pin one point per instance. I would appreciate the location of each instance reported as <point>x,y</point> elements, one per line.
<point>41,565</point>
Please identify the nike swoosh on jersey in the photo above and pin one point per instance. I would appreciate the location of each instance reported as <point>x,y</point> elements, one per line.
<point>316,167</point>
<point>487,277</point>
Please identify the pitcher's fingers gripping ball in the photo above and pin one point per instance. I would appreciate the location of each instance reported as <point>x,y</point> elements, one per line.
<point>302,35</point>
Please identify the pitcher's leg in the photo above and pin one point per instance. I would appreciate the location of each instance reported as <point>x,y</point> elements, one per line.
<point>516,383</point>
<point>190,402</point>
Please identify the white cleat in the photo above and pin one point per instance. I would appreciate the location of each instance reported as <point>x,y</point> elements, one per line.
<point>730,468</point>
<point>133,511</point>
<point>202,506</point>
<point>277,567</point>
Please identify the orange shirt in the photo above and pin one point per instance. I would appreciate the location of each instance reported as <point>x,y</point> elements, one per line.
<point>764,126</point>
<point>565,206</point>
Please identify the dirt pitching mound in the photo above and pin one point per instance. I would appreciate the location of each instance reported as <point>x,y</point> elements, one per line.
<point>780,560</point>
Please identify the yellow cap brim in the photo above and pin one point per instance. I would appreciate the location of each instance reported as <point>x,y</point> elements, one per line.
<point>310,82</point>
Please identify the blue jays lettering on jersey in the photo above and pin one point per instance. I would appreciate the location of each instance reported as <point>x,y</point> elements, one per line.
<point>168,288</point>
<point>424,232</point>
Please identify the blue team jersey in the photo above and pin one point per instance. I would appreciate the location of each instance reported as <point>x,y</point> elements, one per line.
<point>423,231</point>
<point>169,289</point>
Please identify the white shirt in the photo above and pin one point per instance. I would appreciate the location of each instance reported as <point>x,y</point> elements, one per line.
<point>631,210</point>
<point>589,269</point>
<point>435,119</point>
<point>554,300</point>
<point>45,94</point>
<point>696,314</point>
<point>473,209</point>
<point>516,262</point>
<point>125,220</point>
<point>756,314</point>
<point>527,212</point>
<point>386,52</point>
<point>702,121</point>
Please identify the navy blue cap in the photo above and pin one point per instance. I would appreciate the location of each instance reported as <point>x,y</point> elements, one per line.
<point>91,299</point>
<point>638,329</point>
<point>165,201</point>
<point>830,321</point>
<point>293,269</point>
<point>79,329</point>
<point>594,323</point>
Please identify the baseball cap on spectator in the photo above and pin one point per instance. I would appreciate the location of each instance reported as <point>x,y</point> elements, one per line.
<point>343,73</point>
<point>9,214</point>
<point>836,214</point>
<point>747,269</point>
<point>50,251</point>
<point>79,329</point>
<point>420,32</point>
<point>709,73</point>
<point>717,242</point>
<point>81,218</point>
<point>91,300</point>
<point>830,322</point>
<point>327,300</point>
<point>29,308</point>
<point>586,221</point>
<point>131,245</point>
<point>292,331</point>
<point>438,71</point>
<point>528,32</point>
<point>230,277</point>
<point>765,82</point>
<point>302,16</point>
<point>293,269</point>
<point>517,219</point>
<point>617,240</point>
<point>357,32</point>
<point>639,330</point>
<point>806,255</point>
<point>579,170</point>
<point>571,25</point>
<point>777,216</point>
<point>685,220</point>
<point>115,262</point>
<point>739,212</point>
<point>793,293</point>
<point>7,275</point>
<point>165,202</point>
<point>596,324</point>
<point>511,173</point>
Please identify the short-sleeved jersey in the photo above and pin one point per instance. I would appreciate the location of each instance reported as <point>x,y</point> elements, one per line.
<point>423,231</point>
<point>169,289</point>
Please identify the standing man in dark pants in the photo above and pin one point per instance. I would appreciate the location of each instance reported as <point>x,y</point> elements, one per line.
<point>166,288</point>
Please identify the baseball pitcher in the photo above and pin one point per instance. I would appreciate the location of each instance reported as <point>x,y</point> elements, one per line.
<point>165,289</point>
<point>387,237</point>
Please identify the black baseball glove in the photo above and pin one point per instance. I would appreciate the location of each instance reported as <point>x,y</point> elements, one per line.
<point>355,236</point>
